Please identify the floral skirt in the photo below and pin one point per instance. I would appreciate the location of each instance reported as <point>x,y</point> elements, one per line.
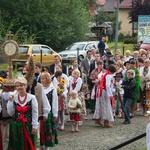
<point>48,132</point>
<point>75,117</point>
<point>16,136</point>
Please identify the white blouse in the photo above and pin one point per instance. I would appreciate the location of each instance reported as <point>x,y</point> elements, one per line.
<point>11,108</point>
<point>78,84</point>
<point>109,84</point>
<point>54,99</point>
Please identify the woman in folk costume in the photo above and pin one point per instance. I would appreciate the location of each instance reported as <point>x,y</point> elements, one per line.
<point>37,89</point>
<point>75,82</point>
<point>96,75</point>
<point>144,80</point>
<point>105,96</point>
<point>60,84</point>
<point>50,135</point>
<point>23,108</point>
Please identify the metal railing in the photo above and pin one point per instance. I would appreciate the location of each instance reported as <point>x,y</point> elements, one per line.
<point>128,142</point>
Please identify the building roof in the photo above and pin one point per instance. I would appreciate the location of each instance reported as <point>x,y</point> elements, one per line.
<point>126,4</point>
<point>109,6</point>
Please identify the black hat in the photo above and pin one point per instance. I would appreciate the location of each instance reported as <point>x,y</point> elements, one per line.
<point>126,63</point>
<point>119,75</point>
<point>108,54</point>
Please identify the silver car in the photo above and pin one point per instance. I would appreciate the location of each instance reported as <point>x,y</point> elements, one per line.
<point>77,50</point>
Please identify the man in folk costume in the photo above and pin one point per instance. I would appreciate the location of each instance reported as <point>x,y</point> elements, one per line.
<point>36,89</point>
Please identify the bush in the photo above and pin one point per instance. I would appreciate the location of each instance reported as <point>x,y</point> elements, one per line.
<point>120,37</point>
<point>131,40</point>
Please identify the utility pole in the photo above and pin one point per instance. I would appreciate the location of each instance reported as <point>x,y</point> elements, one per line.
<point>116,33</point>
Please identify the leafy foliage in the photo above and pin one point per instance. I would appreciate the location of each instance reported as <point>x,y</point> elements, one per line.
<point>56,23</point>
<point>139,7</point>
<point>107,17</point>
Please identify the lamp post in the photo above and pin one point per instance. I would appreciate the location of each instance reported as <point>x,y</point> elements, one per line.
<point>116,33</point>
<point>132,23</point>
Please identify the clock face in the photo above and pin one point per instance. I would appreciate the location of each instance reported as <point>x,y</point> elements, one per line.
<point>10,48</point>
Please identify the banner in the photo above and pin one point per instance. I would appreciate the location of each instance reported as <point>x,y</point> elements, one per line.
<point>143,27</point>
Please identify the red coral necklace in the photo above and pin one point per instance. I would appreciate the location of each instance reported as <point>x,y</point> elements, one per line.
<point>21,102</point>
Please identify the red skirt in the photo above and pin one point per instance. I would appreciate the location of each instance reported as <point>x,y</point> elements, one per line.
<point>75,117</point>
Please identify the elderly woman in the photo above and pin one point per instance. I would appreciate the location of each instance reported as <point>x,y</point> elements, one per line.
<point>50,135</point>
<point>23,108</point>
<point>144,80</point>
<point>127,56</point>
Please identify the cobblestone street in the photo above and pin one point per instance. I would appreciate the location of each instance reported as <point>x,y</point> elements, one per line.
<point>92,137</point>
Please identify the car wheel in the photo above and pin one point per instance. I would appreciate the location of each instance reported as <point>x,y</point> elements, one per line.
<point>80,59</point>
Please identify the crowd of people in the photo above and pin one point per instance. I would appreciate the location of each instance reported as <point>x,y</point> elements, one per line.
<point>105,85</point>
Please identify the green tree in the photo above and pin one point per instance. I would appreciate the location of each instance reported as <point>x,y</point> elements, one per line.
<point>57,23</point>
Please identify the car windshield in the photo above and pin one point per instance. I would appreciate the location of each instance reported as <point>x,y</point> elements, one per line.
<point>75,47</point>
<point>23,49</point>
<point>147,40</point>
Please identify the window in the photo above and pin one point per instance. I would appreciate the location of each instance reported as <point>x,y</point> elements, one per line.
<point>46,50</point>
<point>23,49</point>
<point>90,46</point>
<point>36,50</point>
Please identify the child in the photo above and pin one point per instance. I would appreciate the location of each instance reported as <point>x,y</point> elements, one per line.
<point>74,106</point>
<point>83,75</point>
<point>86,100</point>
<point>128,85</point>
<point>117,87</point>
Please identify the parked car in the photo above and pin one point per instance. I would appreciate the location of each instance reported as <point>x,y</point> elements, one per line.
<point>34,50</point>
<point>78,50</point>
<point>146,43</point>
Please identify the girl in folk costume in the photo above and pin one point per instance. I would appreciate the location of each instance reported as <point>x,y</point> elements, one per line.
<point>74,106</point>
<point>60,85</point>
<point>84,95</point>
<point>105,96</point>
<point>50,134</point>
<point>144,80</point>
<point>23,108</point>
<point>95,76</point>
<point>75,82</point>
<point>117,88</point>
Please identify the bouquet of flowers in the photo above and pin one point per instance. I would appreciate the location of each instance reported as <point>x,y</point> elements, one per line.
<point>60,88</point>
<point>78,106</point>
